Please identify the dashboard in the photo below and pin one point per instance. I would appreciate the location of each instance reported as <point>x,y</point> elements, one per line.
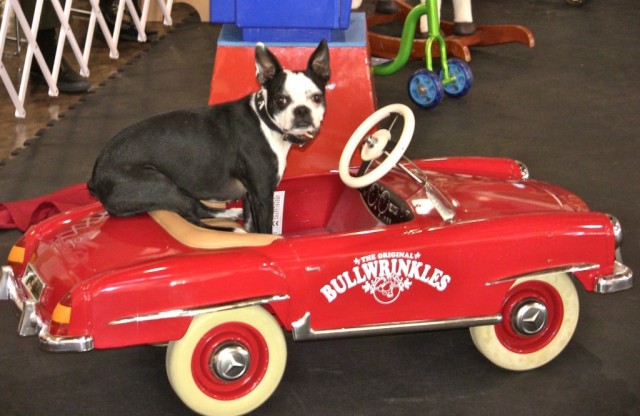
<point>385,205</point>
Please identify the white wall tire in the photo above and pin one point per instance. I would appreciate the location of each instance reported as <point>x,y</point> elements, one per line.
<point>213,386</point>
<point>522,342</point>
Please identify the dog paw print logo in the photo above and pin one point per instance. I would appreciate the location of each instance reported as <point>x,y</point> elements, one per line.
<point>387,288</point>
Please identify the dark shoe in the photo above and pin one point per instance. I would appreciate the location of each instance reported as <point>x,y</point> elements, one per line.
<point>128,31</point>
<point>386,6</point>
<point>69,81</point>
<point>464,28</point>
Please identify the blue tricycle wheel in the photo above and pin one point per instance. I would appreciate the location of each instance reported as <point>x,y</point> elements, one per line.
<point>464,78</point>
<point>425,88</point>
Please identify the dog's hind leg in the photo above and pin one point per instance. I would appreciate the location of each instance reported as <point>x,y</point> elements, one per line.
<point>136,190</point>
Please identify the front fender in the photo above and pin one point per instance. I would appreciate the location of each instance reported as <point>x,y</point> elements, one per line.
<point>579,243</point>
<point>155,302</point>
<point>488,167</point>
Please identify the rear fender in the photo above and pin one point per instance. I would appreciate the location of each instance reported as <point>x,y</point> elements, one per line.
<point>155,303</point>
<point>24,249</point>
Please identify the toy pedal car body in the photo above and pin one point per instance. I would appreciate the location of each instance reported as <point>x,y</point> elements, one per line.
<point>430,244</point>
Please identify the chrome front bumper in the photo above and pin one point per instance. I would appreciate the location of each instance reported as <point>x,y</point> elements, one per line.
<point>31,324</point>
<point>621,279</point>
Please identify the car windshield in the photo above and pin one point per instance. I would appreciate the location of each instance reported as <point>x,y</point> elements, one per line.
<point>437,199</point>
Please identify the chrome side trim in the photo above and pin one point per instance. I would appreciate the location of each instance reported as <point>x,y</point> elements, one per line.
<point>53,343</point>
<point>184,313</point>
<point>574,268</point>
<point>302,331</point>
<point>621,279</point>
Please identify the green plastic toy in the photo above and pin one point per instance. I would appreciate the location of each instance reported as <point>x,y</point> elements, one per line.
<point>426,88</point>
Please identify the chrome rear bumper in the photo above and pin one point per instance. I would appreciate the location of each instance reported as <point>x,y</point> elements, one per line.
<point>31,324</point>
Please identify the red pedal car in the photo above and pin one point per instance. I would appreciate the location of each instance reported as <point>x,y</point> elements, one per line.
<point>404,246</point>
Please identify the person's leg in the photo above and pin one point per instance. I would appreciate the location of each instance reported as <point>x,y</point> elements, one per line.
<point>386,6</point>
<point>48,18</point>
<point>69,81</point>
<point>463,18</point>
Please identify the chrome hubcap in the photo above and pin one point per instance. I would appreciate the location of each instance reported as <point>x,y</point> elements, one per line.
<point>530,318</point>
<point>230,362</point>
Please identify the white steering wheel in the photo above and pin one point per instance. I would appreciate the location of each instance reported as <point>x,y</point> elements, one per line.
<point>375,144</point>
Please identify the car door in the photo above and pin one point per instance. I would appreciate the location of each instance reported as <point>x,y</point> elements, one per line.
<point>382,275</point>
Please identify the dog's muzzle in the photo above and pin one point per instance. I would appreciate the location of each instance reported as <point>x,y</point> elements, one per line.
<point>300,140</point>
<point>297,139</point>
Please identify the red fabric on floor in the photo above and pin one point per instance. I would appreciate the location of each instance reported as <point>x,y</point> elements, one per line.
<point>22,214</point>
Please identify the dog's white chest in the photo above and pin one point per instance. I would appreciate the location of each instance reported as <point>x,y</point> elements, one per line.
<point>280,148</point>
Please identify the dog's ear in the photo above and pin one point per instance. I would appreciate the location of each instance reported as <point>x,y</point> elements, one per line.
<point>319,61</point>
<point>267,65</point>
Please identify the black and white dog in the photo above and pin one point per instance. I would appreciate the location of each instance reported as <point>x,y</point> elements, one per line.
<point>233,150</point>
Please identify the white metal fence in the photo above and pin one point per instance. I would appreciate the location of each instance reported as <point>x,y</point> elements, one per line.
<point>14,17</point>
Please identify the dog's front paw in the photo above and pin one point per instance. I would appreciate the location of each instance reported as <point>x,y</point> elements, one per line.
<point>233,214</point>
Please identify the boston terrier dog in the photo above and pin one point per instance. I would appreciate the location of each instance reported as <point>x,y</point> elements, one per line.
<point>180,160</point>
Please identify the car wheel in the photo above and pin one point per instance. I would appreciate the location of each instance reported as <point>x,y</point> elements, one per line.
<point>464,78</point>
<point>539,317</point>
<point>425,88</point>
<point>229,362</point>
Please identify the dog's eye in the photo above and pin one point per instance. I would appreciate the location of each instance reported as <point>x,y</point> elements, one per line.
<point>282,101</point>
<point>316,98</point>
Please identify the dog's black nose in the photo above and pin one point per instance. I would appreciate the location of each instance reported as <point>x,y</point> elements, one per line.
<point>301,111</point>
<point>302,117</point>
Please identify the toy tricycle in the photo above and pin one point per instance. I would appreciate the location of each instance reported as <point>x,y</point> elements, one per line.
<point>426,88</point>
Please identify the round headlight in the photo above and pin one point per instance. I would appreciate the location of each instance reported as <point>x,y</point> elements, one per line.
<point>617,229</point>
<point>524,171</point>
